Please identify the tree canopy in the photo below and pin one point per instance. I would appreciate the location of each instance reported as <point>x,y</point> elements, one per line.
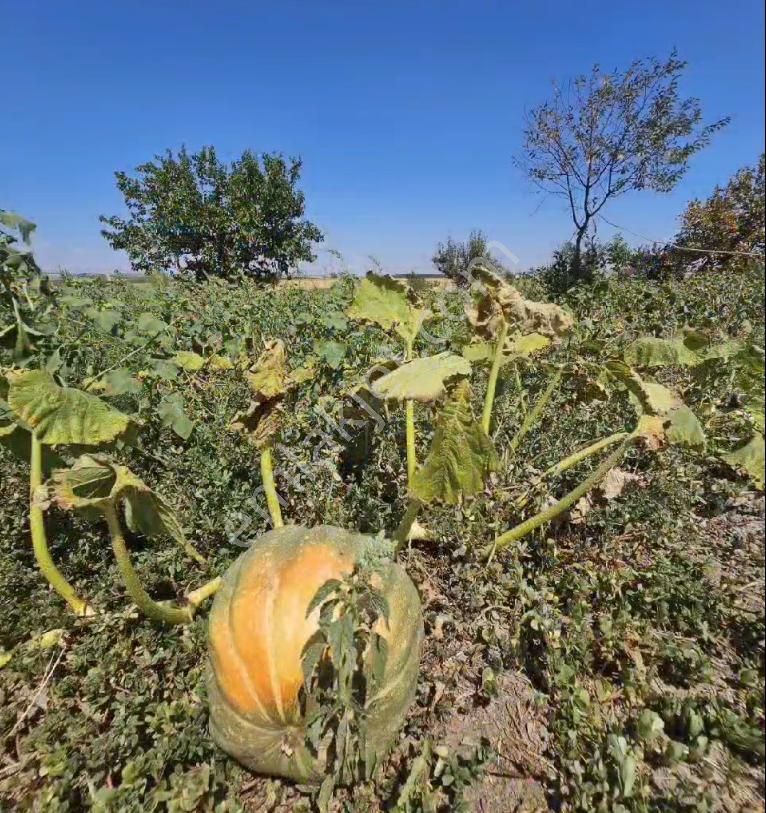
<point>192,214</point>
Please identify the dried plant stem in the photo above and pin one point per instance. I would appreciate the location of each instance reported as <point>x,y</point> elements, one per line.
<point>39,538</point>
<point>267,476</point>
<point>497,360</point>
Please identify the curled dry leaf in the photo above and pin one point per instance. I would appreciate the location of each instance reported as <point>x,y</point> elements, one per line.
<point>497,301</point>
<point>610,488</point>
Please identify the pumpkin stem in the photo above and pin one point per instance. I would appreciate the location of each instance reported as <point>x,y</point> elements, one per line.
<point>403,530</point>
<point>567,501</point>
<point>534,414</point>
<point>572,460</point>
<point>39,539</point>
<point>152,609</point>
<point>267,476</point>
<point>412,460</point>
<point>489,398</point>
<point>196,597</point>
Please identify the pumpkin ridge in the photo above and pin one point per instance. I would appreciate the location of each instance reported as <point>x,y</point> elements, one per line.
<point>272,657</point>
<point>401,674</point>
<point>240,663</point>
<point>241,717</point>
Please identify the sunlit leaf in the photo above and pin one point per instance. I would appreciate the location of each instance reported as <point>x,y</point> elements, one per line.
<point>191,362</point>
<point>749,458</point>
<point>306,372</point>
<point>422,379</point>
<point>381,300</point>
<point>684,429</point>
<point>461,455</point>
<point>63,414</point>
<point>651,352</point>
<point>267,378</point>
<point>386,302</point>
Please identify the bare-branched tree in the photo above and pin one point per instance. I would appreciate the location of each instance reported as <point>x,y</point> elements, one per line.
<point>606,134</point>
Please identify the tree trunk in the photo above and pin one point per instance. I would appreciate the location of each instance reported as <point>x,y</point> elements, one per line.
<point>578,270</point>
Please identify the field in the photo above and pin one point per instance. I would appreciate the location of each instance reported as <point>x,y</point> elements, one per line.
<point>612,659</point>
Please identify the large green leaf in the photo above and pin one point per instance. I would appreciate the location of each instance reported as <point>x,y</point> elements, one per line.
<point>423,379</point>
<point>651,352</point>
<point>386,302</point>
<point>684,429</point>
<point>94,483</point>
<point>381,300</point>
<point>651,399</point>
<point>63,414</point>
<point>461,454</point>
<point>749,458</point>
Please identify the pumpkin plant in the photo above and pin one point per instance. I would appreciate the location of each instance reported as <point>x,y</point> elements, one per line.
<point>41,419</point>
<point>269,381</point>
<point>290,646</point>
<point>24,293</point>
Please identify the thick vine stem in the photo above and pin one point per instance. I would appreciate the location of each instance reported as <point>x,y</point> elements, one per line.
<point>412,459</point>
<point>39,539</point>
<point>534,414</point>
<point>566,502</point>
<point>572,460</point>
<point>497,360</point>
<point>267,476</point>
<point>167,614</point>
<point>196,597</point>
<point>403,530</point>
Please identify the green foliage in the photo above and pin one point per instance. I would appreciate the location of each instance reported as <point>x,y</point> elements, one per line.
<point>456,260</point>
<point>390,304</point>
<point>343,665</point>
<point>461,455</point>
<point>730,220</point>
<point>62,415</point>
<point>606,618</point>
<point>192,215</point>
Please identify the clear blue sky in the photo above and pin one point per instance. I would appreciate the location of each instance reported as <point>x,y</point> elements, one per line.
<point>406,114</point>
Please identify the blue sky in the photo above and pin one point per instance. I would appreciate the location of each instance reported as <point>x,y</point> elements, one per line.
<point>407,114</point>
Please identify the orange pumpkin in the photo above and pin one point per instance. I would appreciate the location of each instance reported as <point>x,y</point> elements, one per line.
<point>258,629</point>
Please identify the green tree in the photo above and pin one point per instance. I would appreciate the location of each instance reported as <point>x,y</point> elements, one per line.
<point>730,220</point>
<point>195,215</point>
<point>605,134</point>
<point>453,259</point>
